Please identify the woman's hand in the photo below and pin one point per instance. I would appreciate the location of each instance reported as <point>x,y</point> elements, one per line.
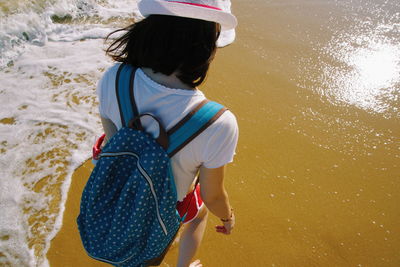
<point>227,226</point>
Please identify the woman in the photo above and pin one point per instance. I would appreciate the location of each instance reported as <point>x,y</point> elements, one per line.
<point>172,49</point>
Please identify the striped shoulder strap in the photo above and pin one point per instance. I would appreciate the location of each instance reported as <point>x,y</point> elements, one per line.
<point>125,94</point>
<point>193,124</point>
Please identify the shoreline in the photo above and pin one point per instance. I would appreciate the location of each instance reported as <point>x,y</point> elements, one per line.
<point>66,248</point>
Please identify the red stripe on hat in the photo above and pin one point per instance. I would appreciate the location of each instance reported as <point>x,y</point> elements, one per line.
<point>193,4</point>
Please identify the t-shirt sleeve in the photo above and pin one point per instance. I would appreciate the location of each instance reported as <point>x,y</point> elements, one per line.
<point>106,92</point>
<point>222,137</point>
<point>102,95</point>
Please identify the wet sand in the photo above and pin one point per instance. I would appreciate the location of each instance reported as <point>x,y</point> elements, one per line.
<point>315,182</point>
<point>66,248</point>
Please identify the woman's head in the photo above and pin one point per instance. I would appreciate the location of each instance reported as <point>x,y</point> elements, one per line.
<point>169,44</point>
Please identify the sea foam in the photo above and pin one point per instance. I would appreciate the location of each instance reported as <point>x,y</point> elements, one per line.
<point>50,59</point>
<point>61,20</point>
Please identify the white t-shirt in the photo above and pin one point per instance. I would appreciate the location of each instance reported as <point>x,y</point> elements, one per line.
<point>213,148</point>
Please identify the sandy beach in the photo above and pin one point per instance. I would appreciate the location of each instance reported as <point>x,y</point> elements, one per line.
<point>66,248</point>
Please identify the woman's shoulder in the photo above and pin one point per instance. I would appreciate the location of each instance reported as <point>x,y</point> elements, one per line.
<point>224,127</point>
<point>217,144</point>
<point>227,122</point>
<point>107,79</point>
<point>111,71</point>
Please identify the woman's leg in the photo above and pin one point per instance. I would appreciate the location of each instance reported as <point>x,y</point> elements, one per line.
<point>191,238</point>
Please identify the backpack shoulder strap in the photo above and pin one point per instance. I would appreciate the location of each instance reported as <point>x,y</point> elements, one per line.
<point>193,124</point>
<point>125,94</point>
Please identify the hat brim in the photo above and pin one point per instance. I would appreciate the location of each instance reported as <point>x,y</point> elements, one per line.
<point>157,7</point>
<point>226,38</point>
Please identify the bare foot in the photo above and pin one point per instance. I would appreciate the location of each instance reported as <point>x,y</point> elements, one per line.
<point>196,263</point>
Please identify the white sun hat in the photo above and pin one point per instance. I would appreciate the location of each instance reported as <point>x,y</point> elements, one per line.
<point>218,11</point>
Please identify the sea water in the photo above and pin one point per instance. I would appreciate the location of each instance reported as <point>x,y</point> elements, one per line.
<point>51,57</point>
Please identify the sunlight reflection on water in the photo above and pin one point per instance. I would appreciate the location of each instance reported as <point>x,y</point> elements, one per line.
<point>363,63</point>
<point>369,75</point>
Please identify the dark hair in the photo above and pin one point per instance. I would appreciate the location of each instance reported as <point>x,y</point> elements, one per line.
<point>167,44</point>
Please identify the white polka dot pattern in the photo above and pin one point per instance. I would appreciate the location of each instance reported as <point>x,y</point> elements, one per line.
<point>127,213</point>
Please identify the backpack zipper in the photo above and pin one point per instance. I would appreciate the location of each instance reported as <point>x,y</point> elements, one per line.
<point>147,177</point>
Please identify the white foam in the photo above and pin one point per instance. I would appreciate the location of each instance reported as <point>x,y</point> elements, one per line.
<point>12,227</point>
<point>48,97</point>
<point>34,25</point>
<point>48,108</point>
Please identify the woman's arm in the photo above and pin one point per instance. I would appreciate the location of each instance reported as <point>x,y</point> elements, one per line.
<point>216,198</point>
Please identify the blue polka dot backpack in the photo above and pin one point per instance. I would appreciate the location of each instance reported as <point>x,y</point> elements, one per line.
<point>128,213</point>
